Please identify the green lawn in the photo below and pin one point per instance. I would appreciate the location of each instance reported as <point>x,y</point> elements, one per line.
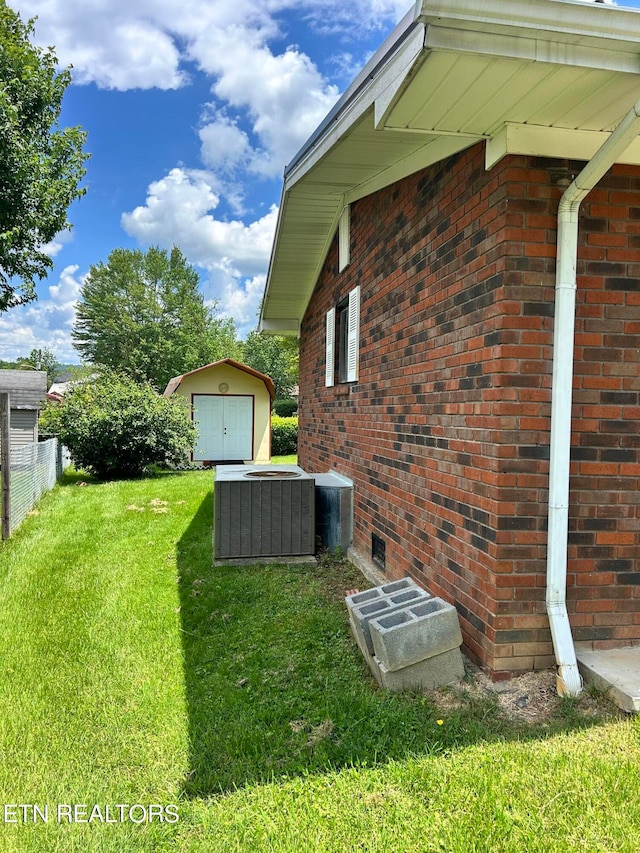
<point>132,673</point>
<point>285,460</point>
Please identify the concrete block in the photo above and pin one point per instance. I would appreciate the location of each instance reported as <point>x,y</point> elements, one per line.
<point>379,592</point>
<point>415,633</point>
<point>429,674</point>
<point>361,615</point>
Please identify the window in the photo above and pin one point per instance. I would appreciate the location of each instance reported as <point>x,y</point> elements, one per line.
<point>342,340</point>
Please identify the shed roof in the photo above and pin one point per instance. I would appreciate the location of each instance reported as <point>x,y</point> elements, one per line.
<point>27,388</point>
<point>174,383</point>
<point>550,78</point>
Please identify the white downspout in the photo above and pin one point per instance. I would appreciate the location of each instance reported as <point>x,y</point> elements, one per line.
<point>569,681</point>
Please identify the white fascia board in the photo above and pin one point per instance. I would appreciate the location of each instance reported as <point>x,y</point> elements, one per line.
<point>555,142</point>
<point>276,238</point>
<point>532,47</point>
<point>559,18</point>
<point>396,76</point>
<point>279,327</point>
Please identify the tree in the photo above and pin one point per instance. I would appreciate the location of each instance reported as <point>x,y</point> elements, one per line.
<point>142,313</point>
<point>277,357</point>
<point>40,165</point>
<point>115,426</point>
<point>42,359</point>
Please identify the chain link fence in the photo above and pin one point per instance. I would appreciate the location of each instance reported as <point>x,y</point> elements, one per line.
<point>34,470</point>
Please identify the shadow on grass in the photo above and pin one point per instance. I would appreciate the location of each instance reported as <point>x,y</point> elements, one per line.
<point>276,687</point>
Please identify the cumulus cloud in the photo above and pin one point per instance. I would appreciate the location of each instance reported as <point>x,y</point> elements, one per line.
<point>240,300</point>
<point>180,209</point>
<point>267,97</point>
<point>285,96</point>
<point>113,44</point>
<point>224,145</point>
<point>44,324</point>
<point>55,246</point>
<point>122,45</point>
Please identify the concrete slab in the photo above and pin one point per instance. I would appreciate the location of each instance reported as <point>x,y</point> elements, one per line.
<point>615,672</point>
<point>238,562</point>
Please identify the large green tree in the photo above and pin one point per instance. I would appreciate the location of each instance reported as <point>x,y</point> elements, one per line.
<point>41,165</point>
<point>277,357</point>
<point>142,313</point>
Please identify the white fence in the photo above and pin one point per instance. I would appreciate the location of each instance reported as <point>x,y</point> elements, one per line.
<point>34,470</point>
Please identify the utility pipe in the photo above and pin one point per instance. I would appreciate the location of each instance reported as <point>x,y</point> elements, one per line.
<point>569,681</point>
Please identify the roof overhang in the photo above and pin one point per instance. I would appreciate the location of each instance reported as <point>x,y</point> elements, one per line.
<point>550,78</point>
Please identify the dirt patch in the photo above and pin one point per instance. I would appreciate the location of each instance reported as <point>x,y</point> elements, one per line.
<point>529,698</point>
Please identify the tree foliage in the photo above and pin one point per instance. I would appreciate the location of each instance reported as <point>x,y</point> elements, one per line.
<point>277,357</point>
<point>42,359</point>
<point>143,314</point>
<point>115,426</point>
<point>40,165</point>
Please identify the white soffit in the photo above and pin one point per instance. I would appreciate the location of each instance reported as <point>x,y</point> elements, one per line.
<point>549,78</point>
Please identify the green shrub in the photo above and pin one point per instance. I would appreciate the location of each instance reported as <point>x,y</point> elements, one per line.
<point>285,408</point>
<point>284,436</point>
<point>116,427</point>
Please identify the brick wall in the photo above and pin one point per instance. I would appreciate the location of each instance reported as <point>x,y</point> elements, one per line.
<point>446,433</point>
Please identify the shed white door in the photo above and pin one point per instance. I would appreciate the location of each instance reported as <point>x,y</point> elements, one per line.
<point>225,428</point>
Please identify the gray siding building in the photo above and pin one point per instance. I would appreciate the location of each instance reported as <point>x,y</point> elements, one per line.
<point>27,391</point>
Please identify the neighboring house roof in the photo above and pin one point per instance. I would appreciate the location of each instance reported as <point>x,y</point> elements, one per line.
<point>549,78</point>
<point>27,388</point>
<point>174,383</point>
<point>59,388</point>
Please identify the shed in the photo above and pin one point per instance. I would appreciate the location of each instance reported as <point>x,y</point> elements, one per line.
<point>231,408</point>
<point>27,391</point>
<point>439,241</point>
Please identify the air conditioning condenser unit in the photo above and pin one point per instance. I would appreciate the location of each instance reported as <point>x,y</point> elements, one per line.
<point>263,511</point>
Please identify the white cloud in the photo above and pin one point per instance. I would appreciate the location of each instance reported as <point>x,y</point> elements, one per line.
<point>44,324</point>
<point>56,245</point>
<point>285,97</point>
<point>110,43</point>
<point>122,45</point>
<point>224,145</point>
<point>178,211</point>
<point>267,100</point>
<point>240,300</point>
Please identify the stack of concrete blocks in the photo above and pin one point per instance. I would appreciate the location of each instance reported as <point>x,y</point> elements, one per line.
<point>410,639</point>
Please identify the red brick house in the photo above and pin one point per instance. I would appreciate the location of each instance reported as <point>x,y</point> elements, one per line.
<point>419,256</point>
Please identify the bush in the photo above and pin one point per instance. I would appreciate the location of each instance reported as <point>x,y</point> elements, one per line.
<point>285,408</point>
<point>116,427</point>
<point>284,436</point>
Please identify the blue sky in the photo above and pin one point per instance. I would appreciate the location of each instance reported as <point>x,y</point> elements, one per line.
<point>192,107</point>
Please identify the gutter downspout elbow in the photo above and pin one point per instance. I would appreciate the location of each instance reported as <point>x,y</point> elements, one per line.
<point>569,681</point>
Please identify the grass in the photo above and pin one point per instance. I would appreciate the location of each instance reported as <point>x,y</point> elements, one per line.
<point>131,672</point>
